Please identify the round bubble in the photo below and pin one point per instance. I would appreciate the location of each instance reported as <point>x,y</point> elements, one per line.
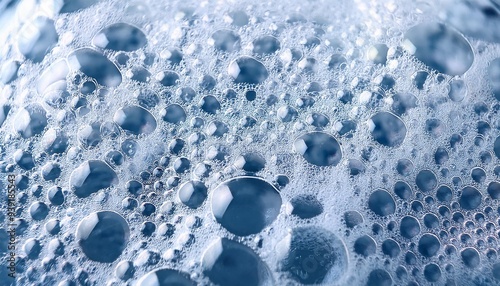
<point>439,47</point>
<point>496,147</point>
<point>90,177</point>
<point>166,277</point>
<point>428,245</point>
<point>312,255</point>
<point>387,129</point>
<point>31,120</point>
<point>470,257</point>
<point>444,194</point>
<point>135,120</point>
<point>432,272</point>
<point>319,148</point>
<point>391,247</point>
<point>306,206</point>
<point>426,180</point>
<point>365,246</point>
<point>225,40</point>
<point>494,190</point>
<point>352,218</point>
<point>95,65</point>
<point>470,198</point>
<point>402,190</point>
<point>379,277</point>
<point>173,113</point>
<point>120,37</point>
<point>193,194</point>
<point>496,271</point>
<point>245,205</point>
<point>247,70</point>
<point>381,203</point>
<point>103,236</point>
<point>227,263</point>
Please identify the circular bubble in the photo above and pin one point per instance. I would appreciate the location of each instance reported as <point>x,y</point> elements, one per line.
<point>265,45</point>
<point>470,198</point>
<point>444,194</point>
<point>103,236</point>
<point>365,246</point>
<point>39,210</point>
<point>319,148</point>
<point>402,190</point>
<point>496,147</point>
<point>135,119</point>
<point>470,257</point>
<point>381,203</point>
<point>120,37</point>
<point>31,120</point>
<point>225,40</point>
<point>428,245</point>
<point>426,180</point>
<point>494,190</point>
<point>227,263</point>
<point>245,205</point>
<point>247,70</point>
<point>439,47</point>
<point>379,277</point>
<point>352,218</point>
<point>174,114</point>
<point>432,272</point>
<point>496,270</point>
<point>193,194</point>
<point>387,129</point>
<point>391,248</point>
<point>90,177</point>
<point>166,277</point>
<point>312,255</point>
<point>306,206</point>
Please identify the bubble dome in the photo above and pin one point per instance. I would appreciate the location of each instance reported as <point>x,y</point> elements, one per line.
<point>249,143</point>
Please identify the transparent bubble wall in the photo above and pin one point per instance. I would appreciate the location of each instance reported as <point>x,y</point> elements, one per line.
<point>252,143</point>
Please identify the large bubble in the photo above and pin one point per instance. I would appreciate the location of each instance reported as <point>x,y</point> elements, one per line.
<point>319,148</point>
<point>166,277</point>
<point>245,205</point>
<point>103,236</point>
<point>440,47</point>
<point>312,255</point>
<point>90,177</point>
<point>387,129</point>
<point>227,262</point>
